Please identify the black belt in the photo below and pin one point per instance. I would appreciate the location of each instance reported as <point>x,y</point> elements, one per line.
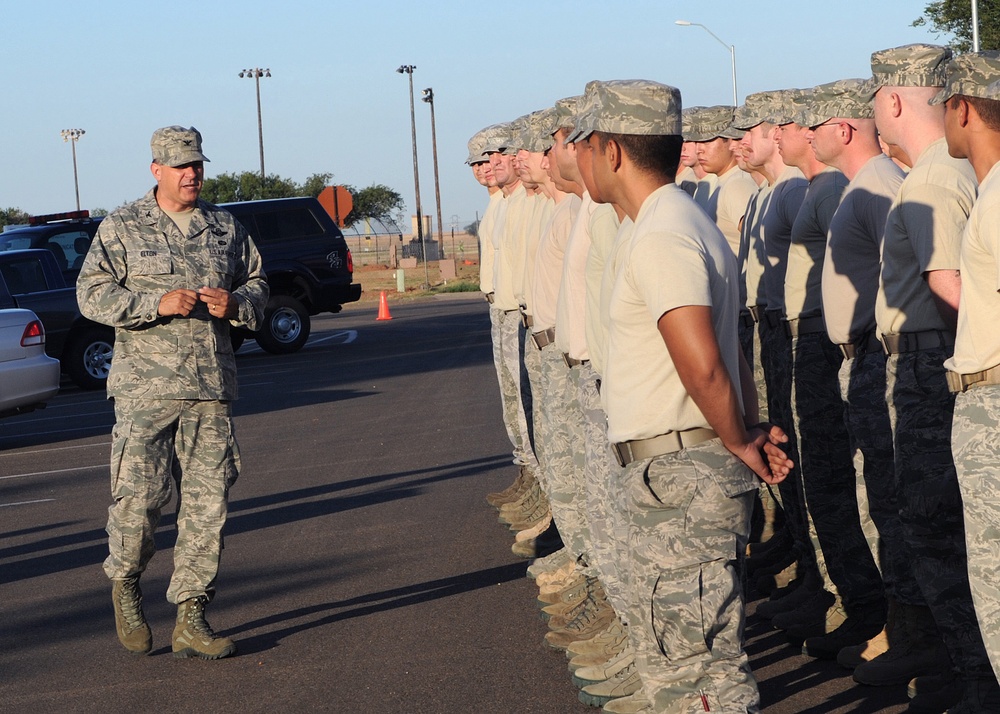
<point>805,326</point>
<point>900,342</point>
<point>570,362</point>
<point>774,318</point>
<point>544,338</point>
<point>746,319</point>
<point>868,342</point>
<point>628,451</point>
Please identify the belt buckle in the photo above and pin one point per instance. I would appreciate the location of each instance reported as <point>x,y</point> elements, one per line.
<point>619,456</point>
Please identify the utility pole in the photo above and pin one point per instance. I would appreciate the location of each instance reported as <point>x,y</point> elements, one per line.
<point>256,73</point>
<point>72,136</point>
<point>429,98</point>
<point>408,69</point>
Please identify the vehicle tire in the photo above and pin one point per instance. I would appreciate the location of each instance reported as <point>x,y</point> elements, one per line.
<point>87,357</point>
<point>286,326</point>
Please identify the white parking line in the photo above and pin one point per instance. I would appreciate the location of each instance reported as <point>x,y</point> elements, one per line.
<point>54,471</point>
<point>349,337</point>
<point>26,503</point>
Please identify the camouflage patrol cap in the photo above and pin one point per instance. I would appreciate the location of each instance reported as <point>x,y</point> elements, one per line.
<point>566,111</point>
<point>845,98</point>
<point>176,146</point>
<point>917,65</point>
<point>496,137</point>
<point>636,107</point>
<point>788,104</point>
<point>756,109</point>
<point>537,138</point>
<point>476,145</point>
<point>583,122</point>
<point>970,74</point>
<point>708,123</point>
<point>517,139</point>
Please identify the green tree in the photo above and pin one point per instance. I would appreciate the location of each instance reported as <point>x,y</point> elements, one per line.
<point>247,186</point>
<point>376,201</point>
<point>12,216</point>
<point>954,17</point>
<point>473,229</point>
<point>314,184</point>
<point>98,212</point>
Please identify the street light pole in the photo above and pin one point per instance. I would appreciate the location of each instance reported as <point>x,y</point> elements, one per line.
<point>408,69</point>
<point>429,98</point>
<point>975,26</point>
<point>72,136</point>
<point>256,73</point>
<point>730,48</point>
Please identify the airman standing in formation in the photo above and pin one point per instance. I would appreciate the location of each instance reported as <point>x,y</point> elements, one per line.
<point>641,303</point>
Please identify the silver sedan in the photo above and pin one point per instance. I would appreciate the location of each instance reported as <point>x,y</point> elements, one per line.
<point>28,377</point>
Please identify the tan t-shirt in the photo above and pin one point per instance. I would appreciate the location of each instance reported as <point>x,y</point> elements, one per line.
<point>752,255</point>
<point>687,179</point>
<point>776,231</point>
<point>735,190</point>
<point>804,275</point>
<point>705,194</point>
<point>923,233</point>
<point>571,337</point>
<point>851,265</point>
<point>977,345</point>
<point>541,211</point>
<point>510,248</point>
<point>182,219</point>
<point>611,265</point>
<point>549,262</point>
<point>676,257</point>
<point>603,229</point>
<point>487,251</point>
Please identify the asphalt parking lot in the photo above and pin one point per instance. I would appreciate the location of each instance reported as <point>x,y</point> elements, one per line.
<point>363,572</point>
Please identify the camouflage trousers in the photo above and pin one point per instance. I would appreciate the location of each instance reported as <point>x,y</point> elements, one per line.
<point>533,367</point>
<point>976,447</point>
<point>515,395</point>
<point>564,459</point>
<point>688,522</point>
<point>862,387</point>
<point>930,499</point>
<point>776,362</point>
<point>828,471</point>
<point>154,443</point>
<point>607,525</point>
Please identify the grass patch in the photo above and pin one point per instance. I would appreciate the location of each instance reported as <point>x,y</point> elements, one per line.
<point>462,286</point>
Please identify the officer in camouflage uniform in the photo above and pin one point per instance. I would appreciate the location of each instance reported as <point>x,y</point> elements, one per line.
<point>172,274</point>
<point>972,128</point>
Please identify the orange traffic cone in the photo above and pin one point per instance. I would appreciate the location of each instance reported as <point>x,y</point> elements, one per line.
<point>383,308</point>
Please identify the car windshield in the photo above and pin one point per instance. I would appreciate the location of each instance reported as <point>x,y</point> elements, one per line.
<point>14,242</point>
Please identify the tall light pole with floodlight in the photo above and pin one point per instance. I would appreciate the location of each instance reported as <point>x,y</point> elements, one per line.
<point>429,98</point>
<point>408,70</point>
<point>731,48</point>
<point>72,136</point>
<point>255,74</point>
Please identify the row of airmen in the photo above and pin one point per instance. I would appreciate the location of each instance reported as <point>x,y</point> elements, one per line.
<point>661,276</point>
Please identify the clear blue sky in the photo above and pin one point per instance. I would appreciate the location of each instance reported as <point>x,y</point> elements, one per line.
<point>335,104</point>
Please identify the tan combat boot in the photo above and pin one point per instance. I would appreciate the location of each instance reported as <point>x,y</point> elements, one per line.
<point>133,632</point>
<point>193,637</point>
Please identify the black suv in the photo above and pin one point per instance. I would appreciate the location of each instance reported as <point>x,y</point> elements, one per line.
<point>309,267</point>
<point>66,235</point>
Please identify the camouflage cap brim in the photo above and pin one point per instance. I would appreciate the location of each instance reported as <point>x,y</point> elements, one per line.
<point>845,98</point>
<point>176,146</point>
<point>496,137</point>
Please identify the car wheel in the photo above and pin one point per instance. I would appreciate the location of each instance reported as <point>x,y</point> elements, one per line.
<point>87,357</point>
<point>286,326</point>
